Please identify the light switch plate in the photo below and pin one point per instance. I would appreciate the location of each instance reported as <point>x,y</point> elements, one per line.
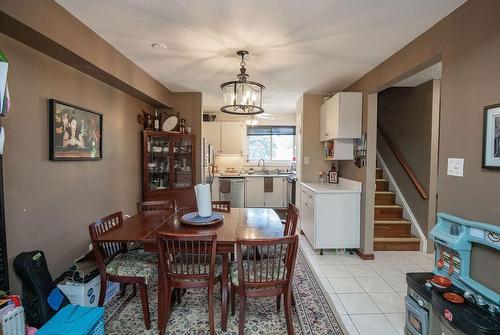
<point>456,167</point>
<point>306,160</point>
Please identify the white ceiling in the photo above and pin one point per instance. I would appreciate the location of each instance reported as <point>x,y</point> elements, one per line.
<point>432,72</point>
<point>296,46</point>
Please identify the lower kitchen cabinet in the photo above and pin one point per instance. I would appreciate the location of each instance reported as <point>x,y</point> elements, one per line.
<point>276,198</point>
<point>256,197</point>
<point>330,214</point>
<point>254,192</point>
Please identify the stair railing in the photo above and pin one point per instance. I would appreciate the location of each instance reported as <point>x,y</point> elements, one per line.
<point>404,164</point>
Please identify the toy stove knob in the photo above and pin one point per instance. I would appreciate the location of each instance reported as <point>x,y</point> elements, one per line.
<point>480,300</point>
<point>469,295</point>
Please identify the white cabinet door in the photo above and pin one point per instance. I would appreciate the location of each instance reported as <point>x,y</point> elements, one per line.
<point>332,116</point>
<point>307,219</point>
<point>340,116</point>
<point>275,199</point>
<point>350,115</point>
<point>254,191</point>
<point>231,137</point>
<point>322,123</point>
<point>211,131</point>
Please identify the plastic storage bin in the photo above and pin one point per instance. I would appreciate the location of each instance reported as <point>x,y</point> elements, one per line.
<point>75,320</point>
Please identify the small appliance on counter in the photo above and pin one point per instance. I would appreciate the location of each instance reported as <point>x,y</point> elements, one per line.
<point>461,296</point>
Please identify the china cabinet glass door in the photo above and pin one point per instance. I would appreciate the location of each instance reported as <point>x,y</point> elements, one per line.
<point>182,162</point>
<point>158,163</point>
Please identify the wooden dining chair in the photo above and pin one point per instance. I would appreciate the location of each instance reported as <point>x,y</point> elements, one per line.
<point>292,219</point>
<point>268,277</point>
<point>221,206</point>
<point>117,264</point>
<point>160,205</point>
<point>186,261</point>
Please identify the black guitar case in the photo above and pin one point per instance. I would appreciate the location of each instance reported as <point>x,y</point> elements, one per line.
<point>37,282</point>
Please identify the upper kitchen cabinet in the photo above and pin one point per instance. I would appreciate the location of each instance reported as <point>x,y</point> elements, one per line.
<point>211,131</point>
<point>231,135</point>
<point>225,137</point>
<point>340,116</point>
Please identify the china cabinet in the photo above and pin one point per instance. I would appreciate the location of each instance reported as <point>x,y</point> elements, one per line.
<point>168,166</point>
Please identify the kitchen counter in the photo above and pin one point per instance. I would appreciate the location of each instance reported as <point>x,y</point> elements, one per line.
<point>330,214</point>
<point>344,186</point>
<point>244,175</point>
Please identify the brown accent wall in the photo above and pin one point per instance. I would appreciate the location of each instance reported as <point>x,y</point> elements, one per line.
<point>189,106</point>
<point>50,204</point>
<point>468,43</point>
<point>308,106</point>
<point>405,114</point>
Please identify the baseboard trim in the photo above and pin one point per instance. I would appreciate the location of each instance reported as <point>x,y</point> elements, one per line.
<point>363,256</point>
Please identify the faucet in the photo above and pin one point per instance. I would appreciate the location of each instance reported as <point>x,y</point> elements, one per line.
<point>263,164</point>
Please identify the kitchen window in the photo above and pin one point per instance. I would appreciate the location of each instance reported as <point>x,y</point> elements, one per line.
<point>271,143</point>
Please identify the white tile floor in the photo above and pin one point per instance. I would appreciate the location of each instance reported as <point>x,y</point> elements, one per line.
<point>368,295</point>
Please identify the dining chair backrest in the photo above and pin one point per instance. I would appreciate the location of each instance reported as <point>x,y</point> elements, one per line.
<point>161,205</point>
<point>292,218</point>
<point>272,271</point>
<point>187,256</point>
<point>105,251</point>
<point>221,206</point>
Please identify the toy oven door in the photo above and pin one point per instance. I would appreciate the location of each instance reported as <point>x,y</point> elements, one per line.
<point>417,318</point>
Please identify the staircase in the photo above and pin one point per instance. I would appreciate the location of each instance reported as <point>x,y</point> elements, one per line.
<point>392,232</point>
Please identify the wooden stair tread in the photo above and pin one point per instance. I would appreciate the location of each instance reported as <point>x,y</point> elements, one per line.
<point>397,239</point>
<point>384,192</point>
<point>387,221</point>
<point>381,179</point>
<point>388,206</point>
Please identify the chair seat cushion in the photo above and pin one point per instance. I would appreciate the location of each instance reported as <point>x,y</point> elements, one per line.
<point>135,263</point>
<point>255,276</point>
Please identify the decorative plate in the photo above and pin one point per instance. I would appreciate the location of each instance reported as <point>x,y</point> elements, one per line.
<point>195,220</point>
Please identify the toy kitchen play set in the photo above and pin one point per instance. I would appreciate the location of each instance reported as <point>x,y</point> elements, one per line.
<point>461,295</point>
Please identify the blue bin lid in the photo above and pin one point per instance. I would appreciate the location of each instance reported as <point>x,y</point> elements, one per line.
<point>73,320</point>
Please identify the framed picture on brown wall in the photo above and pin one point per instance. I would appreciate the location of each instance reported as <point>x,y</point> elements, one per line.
<point>491,137</point>
<point>75,133</point>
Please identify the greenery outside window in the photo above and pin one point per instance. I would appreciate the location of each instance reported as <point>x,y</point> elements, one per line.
<point>271,143</point>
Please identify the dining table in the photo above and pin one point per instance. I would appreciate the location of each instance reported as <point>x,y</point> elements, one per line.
<point>238,223</point>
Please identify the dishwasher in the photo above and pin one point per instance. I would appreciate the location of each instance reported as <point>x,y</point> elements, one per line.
<point>232,189</point>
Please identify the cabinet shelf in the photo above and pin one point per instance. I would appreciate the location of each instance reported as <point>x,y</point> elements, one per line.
<point>177,153</point>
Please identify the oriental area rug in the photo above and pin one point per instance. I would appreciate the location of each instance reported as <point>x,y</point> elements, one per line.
<point>313,314</point>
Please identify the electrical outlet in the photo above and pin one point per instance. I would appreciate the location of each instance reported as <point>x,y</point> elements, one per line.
<point>91,247</point>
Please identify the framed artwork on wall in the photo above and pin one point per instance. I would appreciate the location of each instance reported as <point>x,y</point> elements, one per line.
<point>491,137</point>
<point>75,132</point>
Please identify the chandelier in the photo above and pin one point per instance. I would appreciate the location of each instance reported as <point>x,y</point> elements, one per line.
<point>242,96</point>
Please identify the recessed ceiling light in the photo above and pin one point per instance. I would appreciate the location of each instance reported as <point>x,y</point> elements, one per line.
<point>159,46</point>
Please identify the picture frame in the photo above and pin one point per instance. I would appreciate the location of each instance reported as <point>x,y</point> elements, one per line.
<point>491,137</point>
<point>75,133</point>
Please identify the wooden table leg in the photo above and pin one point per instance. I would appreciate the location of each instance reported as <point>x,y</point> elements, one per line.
<point>224,287</point>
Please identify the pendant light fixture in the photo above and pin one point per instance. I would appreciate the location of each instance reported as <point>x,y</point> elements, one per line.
<point>242,96</point>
